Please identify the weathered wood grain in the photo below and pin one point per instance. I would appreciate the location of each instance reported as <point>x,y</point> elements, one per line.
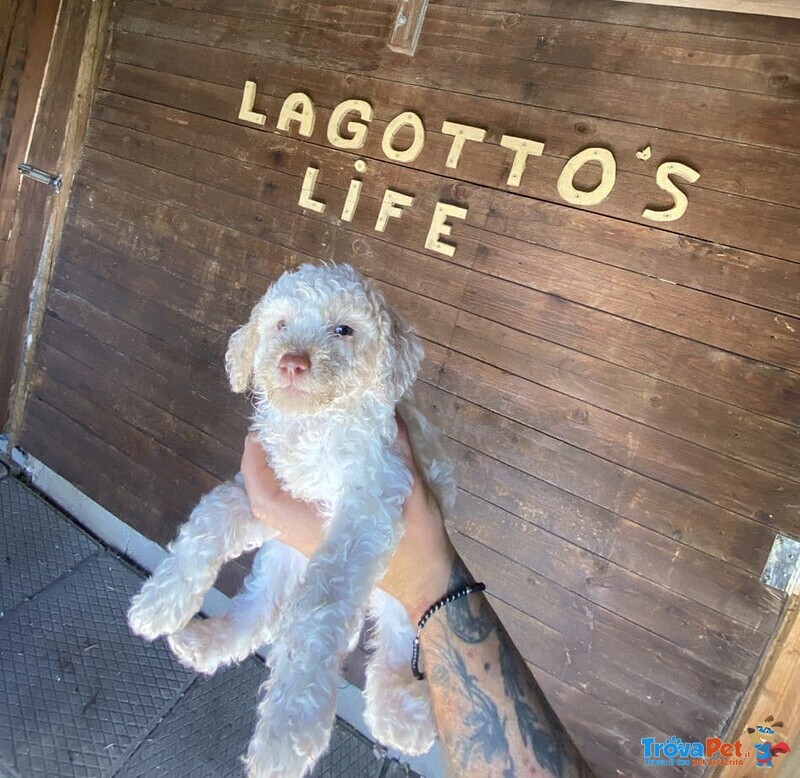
<point>769,337</point>
<point>757,279</point>
<point>596,506</point>
<point>594,636</point>
<point>724,25</point>
<point>97,384</point>
<point>708,111</point>
<point>488,163</point>
<point>752,171</point>
<point>654,402</point>
<point>674,55</point>
<point>678,619</point>
<point>718,479</point>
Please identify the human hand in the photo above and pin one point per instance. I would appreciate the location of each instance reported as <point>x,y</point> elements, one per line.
<point>419,571</point>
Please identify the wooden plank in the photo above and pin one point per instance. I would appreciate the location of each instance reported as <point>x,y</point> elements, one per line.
<point>666,54</point>
<point>724,25</point>
<point>427,275</point>
<point>690,416</point>
<point>408,21</point>
<point>709,418</point>
<point>176,309</point>
<point>148,364</point>
<point>146,251</point>
<point>121,486</point>
<point>728,325</point>
<point>16,18</point>
<point>669,53</point>
<point>116,242</point>
<point>640,706</point>
<point>708,111</point>
<point>720,480</point>
<point>94,382</point>
<point>175,479</point>
<point>738,381</point>
<point>681,620</point>
<point>597,640</point>
<point>784,8</point>
<point>602,508</point>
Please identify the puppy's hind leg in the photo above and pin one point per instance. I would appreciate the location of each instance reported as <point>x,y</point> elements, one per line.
<point>205,645</point>
<point>220,528</point>
<point>398,708</point>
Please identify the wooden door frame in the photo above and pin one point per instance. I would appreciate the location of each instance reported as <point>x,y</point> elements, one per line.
<point>73,63</point>
<point>774,691</point>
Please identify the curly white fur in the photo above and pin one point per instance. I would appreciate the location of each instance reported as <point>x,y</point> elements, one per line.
<point>329,434</point>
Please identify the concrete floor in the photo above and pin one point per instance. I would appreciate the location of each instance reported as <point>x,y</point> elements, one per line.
<point>81,696</point>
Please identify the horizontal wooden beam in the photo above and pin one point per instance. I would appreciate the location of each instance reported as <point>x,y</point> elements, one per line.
<point>787,8</point>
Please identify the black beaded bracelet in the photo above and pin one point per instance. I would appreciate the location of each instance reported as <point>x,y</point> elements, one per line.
<point>448,598</point>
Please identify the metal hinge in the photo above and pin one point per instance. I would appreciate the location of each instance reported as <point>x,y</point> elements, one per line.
<point>41,176</point>
<point>782,570</point>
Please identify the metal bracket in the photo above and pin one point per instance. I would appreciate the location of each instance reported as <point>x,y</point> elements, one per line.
<point>41,176</point>
<point>407,26</point>
<point>782,570</point>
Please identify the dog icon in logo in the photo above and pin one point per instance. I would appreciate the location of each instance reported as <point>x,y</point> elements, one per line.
<point>766,743</point>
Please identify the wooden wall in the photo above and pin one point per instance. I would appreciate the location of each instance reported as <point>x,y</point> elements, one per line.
<point>621,398</point>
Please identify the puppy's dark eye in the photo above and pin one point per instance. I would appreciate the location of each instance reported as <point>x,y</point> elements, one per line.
<point>343,329</point>
<point>282,324</point>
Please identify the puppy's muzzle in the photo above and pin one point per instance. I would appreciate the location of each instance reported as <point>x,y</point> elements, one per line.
<point>293,367</point>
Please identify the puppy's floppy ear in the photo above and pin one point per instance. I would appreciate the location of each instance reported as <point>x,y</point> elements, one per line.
<point>401,350</point>
<point>408,353</point>
<point>240,355</point>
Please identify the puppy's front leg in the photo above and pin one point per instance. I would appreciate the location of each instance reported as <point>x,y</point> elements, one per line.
<point>295,715</point>
<point>398,708</point>
<point>204,645</point>
<point>220,528</point>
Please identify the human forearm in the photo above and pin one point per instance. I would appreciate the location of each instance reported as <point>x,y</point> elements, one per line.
<point>492,716</point>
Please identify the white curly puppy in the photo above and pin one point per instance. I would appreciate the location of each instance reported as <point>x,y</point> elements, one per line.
<point>328,364</point>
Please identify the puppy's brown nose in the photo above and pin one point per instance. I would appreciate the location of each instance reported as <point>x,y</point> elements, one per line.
<point>294,365</point>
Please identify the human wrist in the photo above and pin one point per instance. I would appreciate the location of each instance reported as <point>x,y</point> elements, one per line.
<point>430,585</point>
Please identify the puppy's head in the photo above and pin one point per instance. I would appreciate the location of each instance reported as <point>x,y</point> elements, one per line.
<point>323,336</point>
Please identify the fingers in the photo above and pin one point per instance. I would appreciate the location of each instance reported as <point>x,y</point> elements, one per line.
<point>406,450</point>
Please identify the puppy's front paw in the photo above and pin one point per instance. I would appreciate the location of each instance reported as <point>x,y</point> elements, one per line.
<point>274,753</point>
<point>398,712</point>
<point>151,615</point>
<point>200,646</point>
<point>145,616</point>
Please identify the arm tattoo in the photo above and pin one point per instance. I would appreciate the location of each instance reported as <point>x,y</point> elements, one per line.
<point>545,741</point>
<point>470,627</point>
<point>488,731</point>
